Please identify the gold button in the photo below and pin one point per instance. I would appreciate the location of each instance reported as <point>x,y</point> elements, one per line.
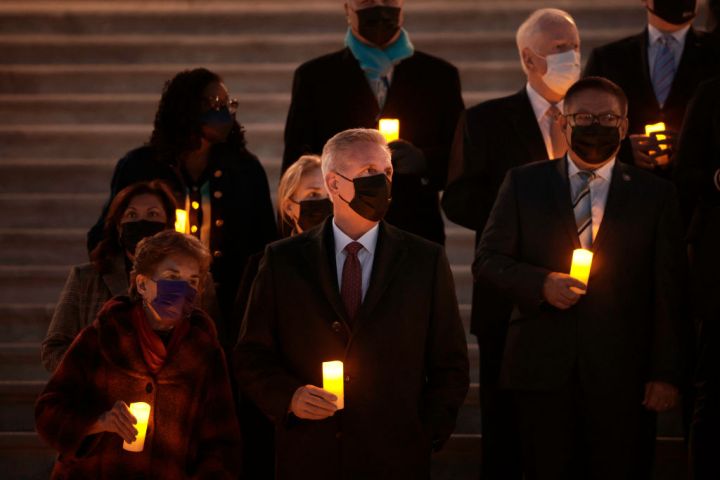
<point>219,222</point>
<point>193,229</point>
<point>195,205</point>
<point>218,173</point>
<point>217,254</point>
<point>217,194</point>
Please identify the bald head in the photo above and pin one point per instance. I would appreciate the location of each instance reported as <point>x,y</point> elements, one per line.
<point>547,31</point>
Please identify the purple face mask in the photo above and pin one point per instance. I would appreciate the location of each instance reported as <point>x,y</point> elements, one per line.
<point>174,299</point>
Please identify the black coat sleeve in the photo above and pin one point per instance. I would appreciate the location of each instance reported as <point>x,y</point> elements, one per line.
<point>447,360</point>
<point>258,367</point>
<point>300,123</point>
<point>497,259</point>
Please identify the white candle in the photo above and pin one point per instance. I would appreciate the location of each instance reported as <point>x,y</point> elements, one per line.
<point>390,129</point>
<point>580,269</point>
<point>334,382</point>
<point>141,412</point>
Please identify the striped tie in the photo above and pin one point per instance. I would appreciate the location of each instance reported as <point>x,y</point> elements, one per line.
<point>664,69</point>
<point>582,207</point>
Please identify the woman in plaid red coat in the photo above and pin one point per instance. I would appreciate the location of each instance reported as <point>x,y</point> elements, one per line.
<point>153,347</point>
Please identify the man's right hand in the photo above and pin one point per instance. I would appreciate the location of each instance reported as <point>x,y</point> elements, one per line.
<point>313,403</point>
<point>116,420</point>
<point>557,290</point>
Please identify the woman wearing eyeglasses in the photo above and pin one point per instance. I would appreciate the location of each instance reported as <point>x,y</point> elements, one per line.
<point>198,148</point>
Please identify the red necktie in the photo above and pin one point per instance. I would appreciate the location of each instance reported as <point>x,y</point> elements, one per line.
<point>351,289</point>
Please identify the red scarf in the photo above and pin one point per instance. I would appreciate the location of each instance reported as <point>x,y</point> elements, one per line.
<point>152,347</point>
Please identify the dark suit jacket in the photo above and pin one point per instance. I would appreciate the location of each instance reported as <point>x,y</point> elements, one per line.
<point>490,139</point>
<point>625,62</point>
<point>628,328</point>
<point>405,356</point>
<point>332,94</point>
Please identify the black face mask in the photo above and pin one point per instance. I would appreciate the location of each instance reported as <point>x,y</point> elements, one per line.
<point>676,12</point>
<point>313,212</point>
<point>372,196</point>
<point>594,144</point>
<point>217,124</point>
<point>378,24</point>
<point>133,232</point>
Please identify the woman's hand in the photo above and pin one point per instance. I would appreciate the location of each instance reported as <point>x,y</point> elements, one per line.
<point>116,420</point>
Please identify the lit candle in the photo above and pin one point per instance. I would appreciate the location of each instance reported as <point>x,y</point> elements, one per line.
<point>141,412</point>
<point>580,269</point>
<point>181,220</point>
<point>658,129</point>
<point>334,382</point>
<point>390,129</point>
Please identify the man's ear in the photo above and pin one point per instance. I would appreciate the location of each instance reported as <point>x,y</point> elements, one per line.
<point>527,59</point>
<point>331,183</point>
<point>623,128</point>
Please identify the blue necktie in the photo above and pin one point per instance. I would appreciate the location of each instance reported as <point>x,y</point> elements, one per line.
<point>582,207</point>
<point>664,69</point>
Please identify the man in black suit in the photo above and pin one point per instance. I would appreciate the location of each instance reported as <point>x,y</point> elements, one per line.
<point>381,300</point>
<point>587,372</point>
<point>697,176</point>
<point>659,70</point>
<point>380,75</point>
<point>492,138</point>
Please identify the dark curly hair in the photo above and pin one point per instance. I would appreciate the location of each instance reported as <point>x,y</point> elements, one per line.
<point>177,128</point>
<point>109,247</point>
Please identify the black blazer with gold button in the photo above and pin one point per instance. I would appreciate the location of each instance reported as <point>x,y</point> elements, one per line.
<point>243,220</point>
<point>405,356</point>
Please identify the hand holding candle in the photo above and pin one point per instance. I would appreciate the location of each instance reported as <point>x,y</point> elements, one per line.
<point>657,131</point>
<point>580,269</point>
<point>334,381</point>
<point>141,412</point>
<point>390,129</point>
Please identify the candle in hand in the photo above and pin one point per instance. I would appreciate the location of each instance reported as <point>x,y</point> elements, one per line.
<point>334,382</point>
<point>580,269</point>
<point>657,129</point>
<point>390,129</point>
<point>141,412</point>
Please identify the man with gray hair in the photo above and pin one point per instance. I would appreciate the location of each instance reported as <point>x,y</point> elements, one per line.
<point>380,300</point>
<point>491,138</point>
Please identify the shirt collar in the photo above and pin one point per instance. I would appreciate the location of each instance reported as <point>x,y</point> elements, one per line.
<point>368,240</point>
<point>539,104</point>
<point>680,35</point>
<point>604,172</point>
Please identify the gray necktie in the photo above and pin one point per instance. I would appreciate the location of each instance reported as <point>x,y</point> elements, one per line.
<point>582,207</point>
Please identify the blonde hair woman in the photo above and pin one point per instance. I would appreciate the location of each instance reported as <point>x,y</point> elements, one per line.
<point>302,199</point>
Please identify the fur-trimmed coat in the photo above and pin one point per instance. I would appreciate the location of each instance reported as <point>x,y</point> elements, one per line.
<point>192,432</point>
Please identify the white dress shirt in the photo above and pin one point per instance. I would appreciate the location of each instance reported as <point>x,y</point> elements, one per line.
<point>599,189</point>
<point>365,254</point>
<point>677,47</point>
<point>540,107</point>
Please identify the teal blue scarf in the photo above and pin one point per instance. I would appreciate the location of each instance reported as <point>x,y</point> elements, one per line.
<point>376,62</point>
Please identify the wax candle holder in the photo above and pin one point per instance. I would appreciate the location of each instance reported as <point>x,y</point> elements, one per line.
<point>334,381</point>
<point>390,129</point>
<point>580,269</point>
<point>141,412</point>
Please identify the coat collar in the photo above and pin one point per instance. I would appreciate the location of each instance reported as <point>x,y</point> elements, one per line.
<point>526,126</point>
<point>116,278</point>
<point>389,253</point>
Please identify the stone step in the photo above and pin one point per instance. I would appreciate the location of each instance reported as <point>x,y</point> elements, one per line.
<point>453,46</point>
<point>198,18</point>
<point>77,176</point>
<point>241,79</point>
<point>74,142</point>
<point>110,108</point>
<point>21,361</point>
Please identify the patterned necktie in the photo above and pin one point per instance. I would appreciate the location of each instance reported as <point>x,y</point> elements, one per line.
<point>557,136</point>
<point>582,207</point>
<point>664,69</point>
<point>351,288</point>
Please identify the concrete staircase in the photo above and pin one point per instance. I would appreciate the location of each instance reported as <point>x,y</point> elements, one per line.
<point>79,82</point>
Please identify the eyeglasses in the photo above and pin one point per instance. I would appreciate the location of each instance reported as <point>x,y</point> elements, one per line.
<point>217,103</point>
<point>587,119</point>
